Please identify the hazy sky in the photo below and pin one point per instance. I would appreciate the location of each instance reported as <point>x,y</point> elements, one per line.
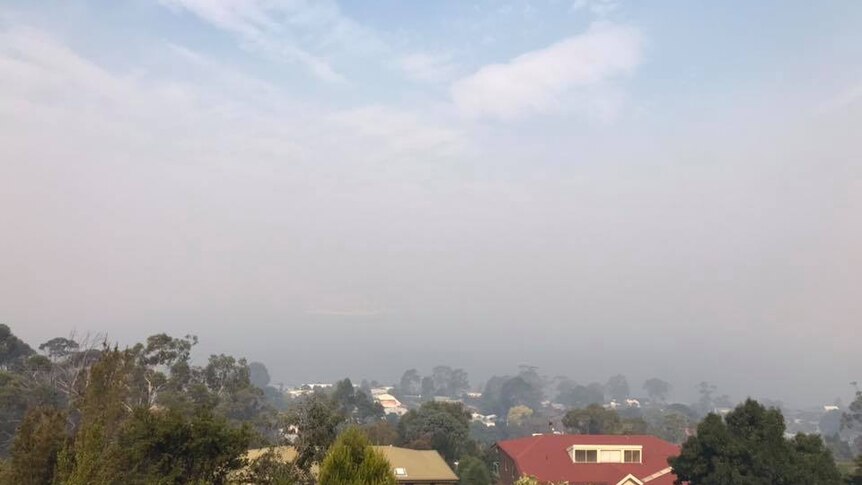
<point>663,188</point>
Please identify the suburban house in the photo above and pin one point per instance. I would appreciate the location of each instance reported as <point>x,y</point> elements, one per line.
<point>425,467</point>
<point>410,467</point>
<point>587,459</point>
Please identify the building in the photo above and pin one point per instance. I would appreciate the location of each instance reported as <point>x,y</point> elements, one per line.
<point>587,459</point>
<point>390,404</point>
<point>425,467</point>
<point>411,467</point>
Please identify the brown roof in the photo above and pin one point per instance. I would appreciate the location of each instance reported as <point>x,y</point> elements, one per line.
<point>418,465</point>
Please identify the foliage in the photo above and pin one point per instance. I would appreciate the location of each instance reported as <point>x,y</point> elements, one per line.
<point>504,393</point>
<point>449,382</point>
<point>258,375</point>
<point>12,349</point>
<point>439,426</point>
<point>856,478</point>
<point>518,414</point>
<point>749,448</point>
<point>355,405</point>
<point>352,460</point>
<point>410,383</point>
<point>618,388</point>
<point>657,389</point>
<point>316,421</point>
<point>575,395</point>
<point>473,471</point>
<point>270,469</point>
<point>595,419</point>
<point>381,432</point>
<point>170,448</point>
<point>34,453</point>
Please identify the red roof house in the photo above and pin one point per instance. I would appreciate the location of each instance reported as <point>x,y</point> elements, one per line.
<point>587,459</point>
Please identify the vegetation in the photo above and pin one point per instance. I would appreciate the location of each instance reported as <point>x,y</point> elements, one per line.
<point>749,448</point>
<point>352,460</point>
<point>89,413</point>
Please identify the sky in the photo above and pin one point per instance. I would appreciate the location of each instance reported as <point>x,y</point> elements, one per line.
<point>594,187</point>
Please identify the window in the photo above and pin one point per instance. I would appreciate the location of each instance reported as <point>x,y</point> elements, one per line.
<point>586,456</point>
<point>400,472</point>
<point>632,456</point>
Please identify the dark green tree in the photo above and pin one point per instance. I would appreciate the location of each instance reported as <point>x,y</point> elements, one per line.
<point>316,421</point>
<point>749,448</point>
<point>352,460</point>
<point>594,419</point>
<point>473,471</point>
<point>169,448</point>
<point>440,426</point>
<point>12,349</point>
<point>34,453</point>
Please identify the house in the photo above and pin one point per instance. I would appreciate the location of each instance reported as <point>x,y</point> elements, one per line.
<point>425,467</point>
<point>587,459</point>
<point>391,405</point>
<point>411,467</point>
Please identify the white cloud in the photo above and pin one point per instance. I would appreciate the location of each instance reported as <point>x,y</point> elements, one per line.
<point>539,81</point>
<point>302,32</point>
<point>427,67</point>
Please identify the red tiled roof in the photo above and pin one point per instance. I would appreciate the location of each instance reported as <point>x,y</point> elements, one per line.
<point>546,458</point>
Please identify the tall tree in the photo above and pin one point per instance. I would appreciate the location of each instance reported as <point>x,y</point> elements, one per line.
<point>410,383</point>
<point>12,349</point>
<point>316,421</point>
<point>258,375</point>
<point>749,448</point>
<point>657,389</point>
<point>37,445</point>
<point>618,387</point>
<point>352,460</point>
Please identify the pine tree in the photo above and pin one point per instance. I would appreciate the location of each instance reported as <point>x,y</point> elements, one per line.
<point>353,461</point>
<point>36,447</point>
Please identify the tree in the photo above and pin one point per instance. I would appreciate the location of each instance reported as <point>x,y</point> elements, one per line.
<point>37,445</point>
<point>352,460</point>
<point>316,421</point>
<point>856,478</point>
<point>103,408</point>
<point>355,405</point>
<point>258,375</point>
<point>381,432</point>
<point>473,471</point>
<point>12,349</point>
<point>618,387</point>
<point>749,448</point>
<point>577,396</point>
<point>448,381</point>
<point>657,389</point>
<point>410,383</point>
<point>270,469</point>
<point>594,419</point>
<point>170,448</point>
<point>59,348</point>
<point>517,415</point>
<point>440,426</point>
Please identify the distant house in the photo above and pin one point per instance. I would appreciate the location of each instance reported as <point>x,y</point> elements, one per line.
<point>410,467</point>
<point>423,467</point>
<point>391,405</point>
<point>587,459</point>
